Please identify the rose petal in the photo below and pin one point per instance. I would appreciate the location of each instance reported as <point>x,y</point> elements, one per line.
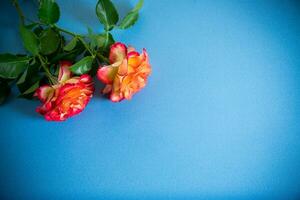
<point>145,56</point>
<point>107,74</point>
<point>133,54</point>
<point>85,78</point>
<point>144,67</point>
<point>118,52</point>
<point>134,60</point>
<point>44,108</point>
<point>64,72</point>
<point>44,92</point>
<point>115,97</point>
<point>73,80</point>
<point>107,89</point>
<point>123,68</point>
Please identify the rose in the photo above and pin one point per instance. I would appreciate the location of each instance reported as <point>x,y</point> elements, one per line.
<point>127,73</point>
<point>66,98</point>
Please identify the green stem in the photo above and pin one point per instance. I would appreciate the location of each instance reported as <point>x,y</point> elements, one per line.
<point>19,10</point>
<point>66,31</point>
<point>80,37</point>
<point>106,38</point>
<point>86,46</point>
<point>51,78</point>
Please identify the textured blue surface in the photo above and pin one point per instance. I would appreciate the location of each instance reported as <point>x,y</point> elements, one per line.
<point>219,118</point>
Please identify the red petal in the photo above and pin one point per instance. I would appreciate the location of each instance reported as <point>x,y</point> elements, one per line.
<point>85,78</point>
<point>132,53</point>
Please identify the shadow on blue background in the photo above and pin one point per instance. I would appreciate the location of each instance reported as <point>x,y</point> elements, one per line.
<point>219,118</point>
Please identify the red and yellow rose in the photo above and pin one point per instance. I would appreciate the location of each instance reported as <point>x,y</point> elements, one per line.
<point>127,73</point>
<point>66,98</point>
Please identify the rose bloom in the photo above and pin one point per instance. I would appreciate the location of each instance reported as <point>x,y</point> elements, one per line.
<point>66,98</point>
<point>126,74</point>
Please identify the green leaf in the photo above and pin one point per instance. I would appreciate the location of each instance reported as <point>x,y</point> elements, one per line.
<point>30,41</point>
<point>93,38</point>
<point>48,11</point>
<point>22,79</point>
<point>107,14</point>
<point>29,81</point>
<point>49,41</point>
<point>101,40</point>
<point>138,6</point>
<point>28,75</point>
<point>131,18</point>
<point>83,66</point>
<point>70,55</point>
<point>12,66</point>
<point>67,55</point>
<point>32,89</point>
<point>4,91</point>
<point>71,45</point>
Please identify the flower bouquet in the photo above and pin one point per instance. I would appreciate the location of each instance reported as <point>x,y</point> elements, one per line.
<point>59,72</point>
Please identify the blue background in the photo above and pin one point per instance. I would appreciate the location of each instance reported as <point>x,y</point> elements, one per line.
<point>219,118</point>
